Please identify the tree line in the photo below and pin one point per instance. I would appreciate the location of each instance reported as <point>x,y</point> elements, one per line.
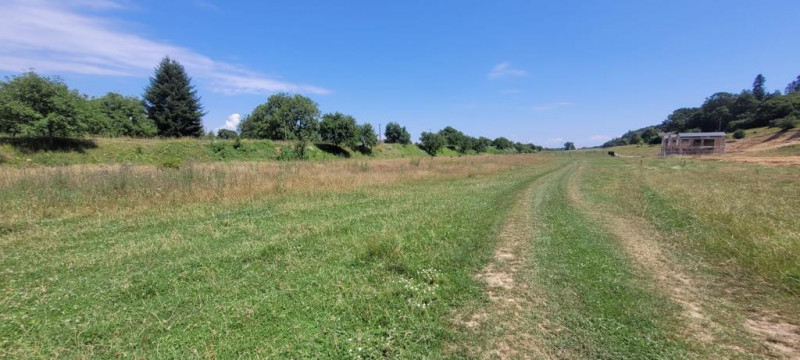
<point>32,105</point>
<point>725,111</point>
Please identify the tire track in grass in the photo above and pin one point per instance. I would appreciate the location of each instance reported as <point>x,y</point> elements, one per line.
<point>699,311</point>
<point>504,324</point>
<point>633,235</point>
<point>596,305</point>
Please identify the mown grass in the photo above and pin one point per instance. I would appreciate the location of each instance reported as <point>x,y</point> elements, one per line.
<point>248,260</point>
<point>736,223</point>
<point>596,304</point>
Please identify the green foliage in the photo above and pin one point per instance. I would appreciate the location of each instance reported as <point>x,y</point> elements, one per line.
<point>794,86</point>
<point>455,140</point>
<point>431,142</point>
<point>569,146</point>
<point>227,134</point>
<point>786,123</point>
<point>172,102</point>
<point>339,129</point>
<point>395,134</point>
<point>502,143</point>
<point>481,144</point>
<point>171,163</point>
<point>119,115</point>
<point>739,134</point>
<point>283,117</point>
<point>33,105</point>
<point>777,108</point>
<point>367,139</point>
<point>758,87</point>
<point>725,111</point>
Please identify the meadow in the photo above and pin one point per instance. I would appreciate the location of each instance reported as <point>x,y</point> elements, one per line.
<point>559,255</point>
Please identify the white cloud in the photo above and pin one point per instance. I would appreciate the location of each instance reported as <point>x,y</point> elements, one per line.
<point>57,37</point>
<point>232,122</point>
<point>557,140</point>
<point>600,138</point>
<point>503,70</point>
<point>550,106</point>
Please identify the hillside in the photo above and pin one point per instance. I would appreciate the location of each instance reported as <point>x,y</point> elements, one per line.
<point>758,142</point>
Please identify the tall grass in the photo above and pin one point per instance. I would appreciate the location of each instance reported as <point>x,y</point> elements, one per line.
<point>740,217</point>
<point>30,194</point>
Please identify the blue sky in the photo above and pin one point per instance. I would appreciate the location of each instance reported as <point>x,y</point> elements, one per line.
<point>533,71</point>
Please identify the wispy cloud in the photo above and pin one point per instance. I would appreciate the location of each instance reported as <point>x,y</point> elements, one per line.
<point>503,70</point>
<point>50,36</point>
<point>557,140</point>
<point>600,138</point>
<point>232,122</point>
<point>205,4</point>
<point>550,106</point>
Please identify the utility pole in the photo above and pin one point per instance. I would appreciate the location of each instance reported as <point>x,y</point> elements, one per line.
<point>380,134</point>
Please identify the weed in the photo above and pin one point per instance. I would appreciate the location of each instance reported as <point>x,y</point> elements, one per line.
<point>173,163</point>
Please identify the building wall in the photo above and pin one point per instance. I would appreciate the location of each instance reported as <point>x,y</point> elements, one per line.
<point>693,146</point>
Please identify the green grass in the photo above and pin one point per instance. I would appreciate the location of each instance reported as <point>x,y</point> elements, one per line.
<point>597,304</point>
<point>375,257</point>
<point>372,272</point>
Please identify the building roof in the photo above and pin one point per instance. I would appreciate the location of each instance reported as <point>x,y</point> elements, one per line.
<point>698,135</point>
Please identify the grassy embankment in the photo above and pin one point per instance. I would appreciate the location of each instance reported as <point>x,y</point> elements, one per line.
<point>175,152</point>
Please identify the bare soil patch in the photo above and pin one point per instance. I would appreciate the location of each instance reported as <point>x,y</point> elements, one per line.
<point>505,319</point>
<point>765,142</point>
<point>778,335</point>
<point>763,160</point>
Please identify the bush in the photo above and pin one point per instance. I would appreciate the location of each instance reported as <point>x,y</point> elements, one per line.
<point>785,123</point>
<point>217,146</point>
<point>287,153</point>
<point>739,134</point>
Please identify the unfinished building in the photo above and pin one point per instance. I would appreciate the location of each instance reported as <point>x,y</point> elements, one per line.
<point>693,143</point>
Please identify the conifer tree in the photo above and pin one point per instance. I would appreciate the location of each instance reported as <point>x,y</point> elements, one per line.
<point>172,102</point>
<point>758,87</point>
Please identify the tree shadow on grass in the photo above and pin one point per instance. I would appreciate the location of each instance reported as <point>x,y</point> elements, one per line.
<point>333,150</point>
<point>27,145</point>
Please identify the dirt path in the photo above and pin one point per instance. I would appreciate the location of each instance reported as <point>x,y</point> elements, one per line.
<point>763,160</point>
<point>506,320</point>
<point>636,235</point>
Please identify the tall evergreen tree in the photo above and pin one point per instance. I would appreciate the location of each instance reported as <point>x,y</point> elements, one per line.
<point>758,87</point>
<point>172,102</point>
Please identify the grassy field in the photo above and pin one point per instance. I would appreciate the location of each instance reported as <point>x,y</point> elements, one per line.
<point>562,255</point>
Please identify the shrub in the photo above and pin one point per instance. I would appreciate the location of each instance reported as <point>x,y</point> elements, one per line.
<point>739,134</point>
<point>785,123</point>
<point>217,146</point>
<point>287,153</point>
